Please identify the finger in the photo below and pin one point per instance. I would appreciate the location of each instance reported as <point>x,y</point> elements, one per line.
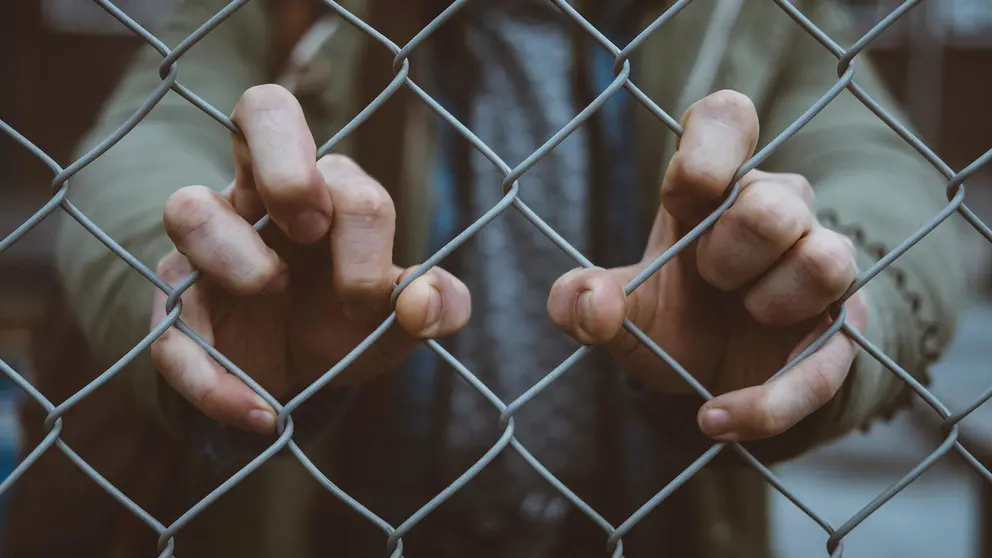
<point>276,162</point>
<point>206,229</point>
<point>175,268</point>
<point>588,304</point>
<point>813,274</point>
<point>362,233</point>
<point>719,134</point>
<point>767,218</point>
<point>435,304</point>
<point>795,183</point>
<point>189,370</point>
<point>770,409</point>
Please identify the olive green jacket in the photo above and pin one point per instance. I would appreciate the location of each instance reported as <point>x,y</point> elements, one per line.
<point>869,184</point>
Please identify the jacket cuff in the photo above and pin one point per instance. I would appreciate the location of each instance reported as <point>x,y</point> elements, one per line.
<point>897,326</point>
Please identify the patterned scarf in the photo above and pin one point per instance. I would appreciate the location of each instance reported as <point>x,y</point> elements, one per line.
<point>523,93</point>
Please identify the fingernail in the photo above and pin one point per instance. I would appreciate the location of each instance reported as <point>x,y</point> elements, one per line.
<point>433,309</point>
<point>715,422</point>
<point>261,421</point>
<point>309,227</point>
<point>585,318</point>
<point>587,311</point>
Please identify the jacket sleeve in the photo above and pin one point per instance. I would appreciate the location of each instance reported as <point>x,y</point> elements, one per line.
<point>123,191</point>
<point>875,188</point>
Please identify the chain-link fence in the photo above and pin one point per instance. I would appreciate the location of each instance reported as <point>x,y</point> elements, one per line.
<point>168,71</point>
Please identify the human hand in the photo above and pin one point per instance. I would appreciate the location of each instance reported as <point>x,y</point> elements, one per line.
<point>285,304</point>
<point>738,303</point>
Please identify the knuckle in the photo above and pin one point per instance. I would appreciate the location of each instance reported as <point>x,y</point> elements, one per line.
<point>292,182</point>
<point>819,386</point>
<point>770,218</point>
<point>255,278</point>
<point>799,183</point>
<point>264,97</point>
<point>210,401</point>
<point>713,266</point>
<point>695,171</point>
<point>365,199</point>
<point>358,285</point>
<point>828,263</point>
<point>186,211</point>
<point>729,104</point>
<point>716,274</point>
<point>764,311</point>
<point>770,418</point>
<point>336,162</point>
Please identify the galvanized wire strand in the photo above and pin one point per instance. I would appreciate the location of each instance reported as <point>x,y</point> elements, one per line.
<point>53,421</point>
<point>660,497</point>
<point>49,439</point>
<point>23,384</point>
<point>552,235</point>
<point>227,485</point>
<point>905,245</point>
<point>705,394</point>
<point>505,423</point>
<point>887,495</point>
<point>814,31</point>
<point>109,373</point>
<point>955,194</point>
<point>877,30</point>
<point>26,227</point>
<point>455,486</point>
<point>752,163</point>
<point>316,473</point>
<point>513,197</point>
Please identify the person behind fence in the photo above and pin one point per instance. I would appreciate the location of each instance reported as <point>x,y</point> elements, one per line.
<point>285,303</point>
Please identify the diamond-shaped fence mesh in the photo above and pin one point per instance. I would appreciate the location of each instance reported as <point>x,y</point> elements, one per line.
<point>394,534</point>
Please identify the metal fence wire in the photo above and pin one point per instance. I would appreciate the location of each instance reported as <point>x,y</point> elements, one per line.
<point>168,71</point>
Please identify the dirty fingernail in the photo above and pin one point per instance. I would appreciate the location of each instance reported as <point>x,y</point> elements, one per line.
<point>261,421</point>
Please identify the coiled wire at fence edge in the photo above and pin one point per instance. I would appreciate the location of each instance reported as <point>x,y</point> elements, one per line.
<point>168,72</point>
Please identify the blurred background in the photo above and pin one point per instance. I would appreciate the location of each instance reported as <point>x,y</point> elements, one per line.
<point>60,58</point>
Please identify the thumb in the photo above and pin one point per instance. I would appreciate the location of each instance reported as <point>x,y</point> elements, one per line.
<point>435,304</point>
<point>589,304</point>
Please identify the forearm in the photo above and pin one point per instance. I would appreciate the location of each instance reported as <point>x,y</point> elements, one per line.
<point>123,195</point>
<point>123,191</point>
